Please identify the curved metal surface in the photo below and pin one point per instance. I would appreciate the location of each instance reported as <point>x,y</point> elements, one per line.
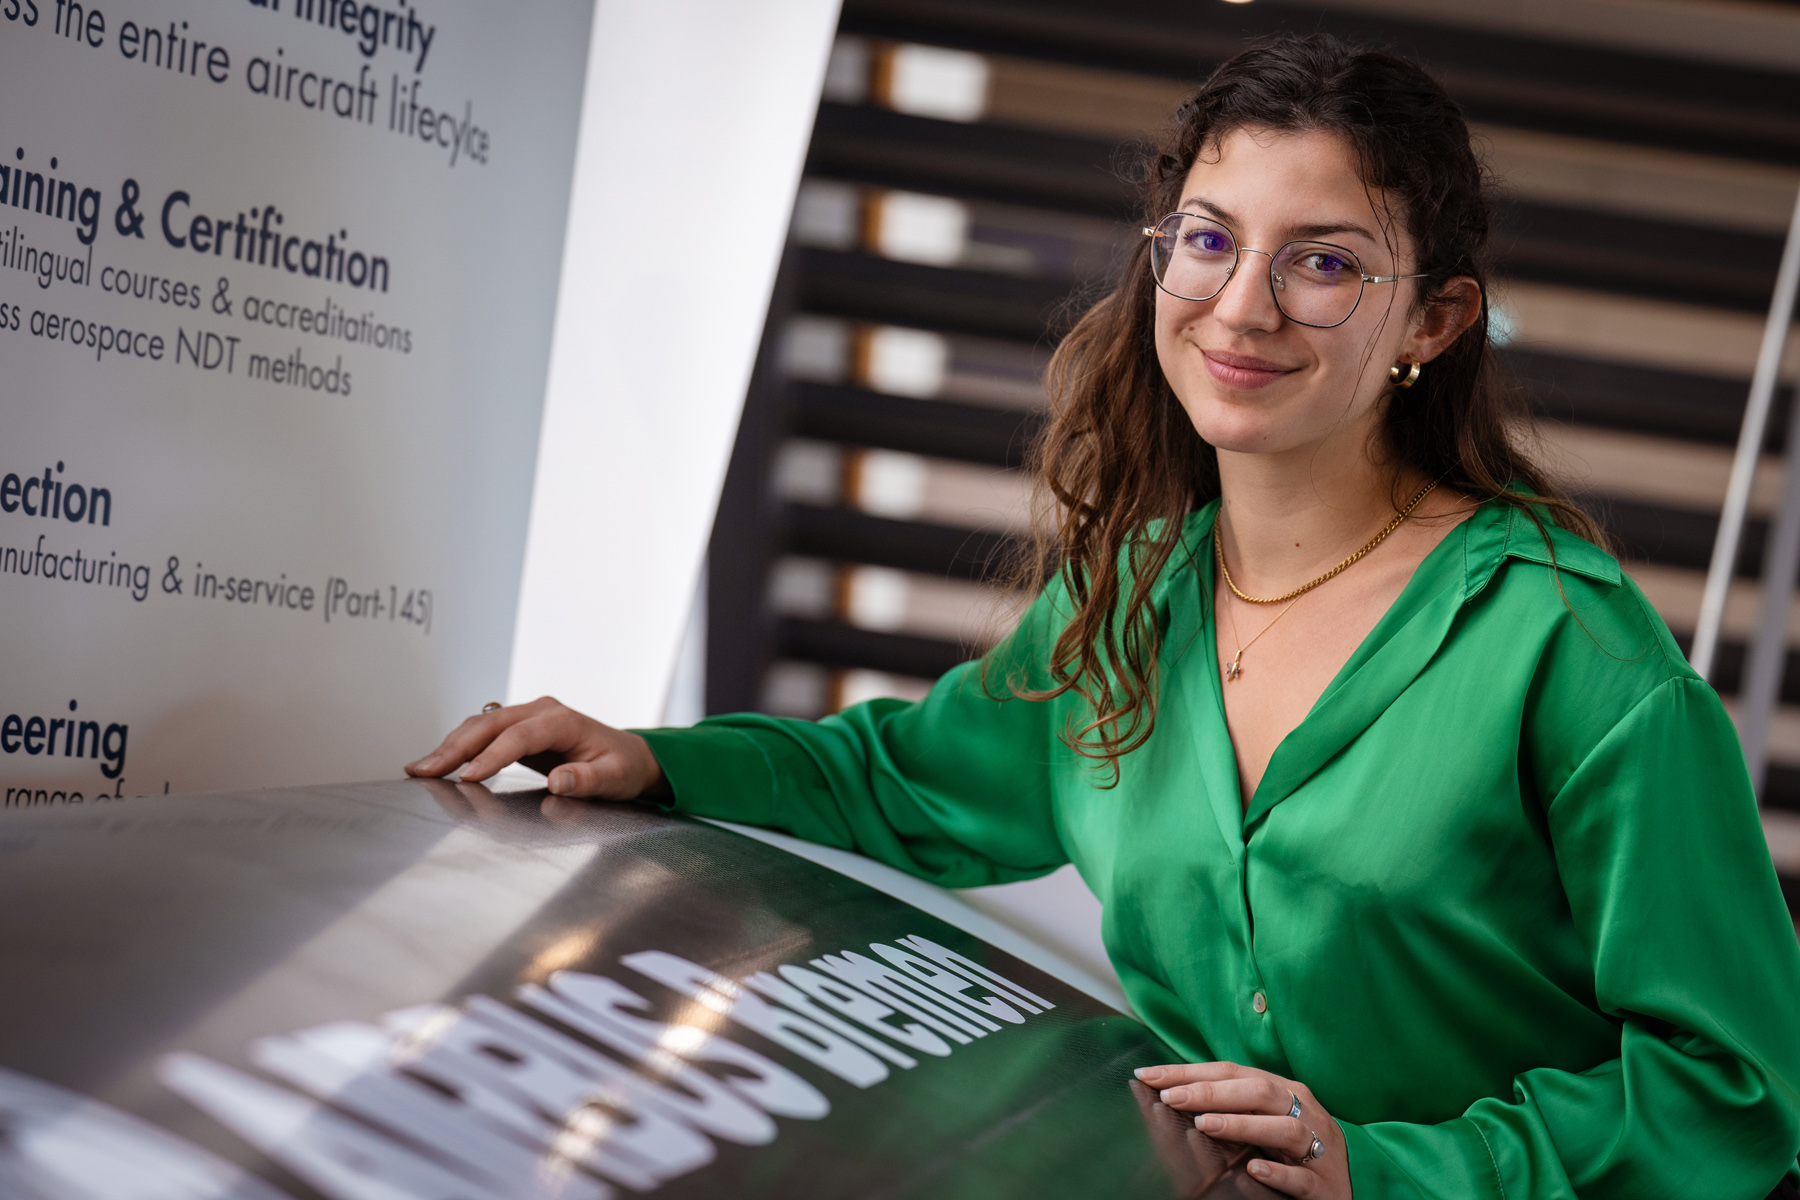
<point>423,989</point>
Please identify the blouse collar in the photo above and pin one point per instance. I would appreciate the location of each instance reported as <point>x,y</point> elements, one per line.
<point>1407,637</point>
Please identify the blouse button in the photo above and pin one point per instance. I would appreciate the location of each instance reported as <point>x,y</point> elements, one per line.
<point>1259,1002</point>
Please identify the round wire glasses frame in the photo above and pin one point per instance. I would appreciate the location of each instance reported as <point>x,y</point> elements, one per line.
<point>1313,283</point>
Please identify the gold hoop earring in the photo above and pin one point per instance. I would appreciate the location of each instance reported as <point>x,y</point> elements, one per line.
<point>1412,376</point>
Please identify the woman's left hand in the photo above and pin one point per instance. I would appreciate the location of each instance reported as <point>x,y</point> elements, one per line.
<point>1242,1104</point>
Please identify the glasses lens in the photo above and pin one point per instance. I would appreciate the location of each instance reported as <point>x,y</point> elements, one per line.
<point>1191,256</point>
<point>1316,284</point>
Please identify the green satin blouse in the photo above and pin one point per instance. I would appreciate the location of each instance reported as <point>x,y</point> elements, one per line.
<point>1502,899</point>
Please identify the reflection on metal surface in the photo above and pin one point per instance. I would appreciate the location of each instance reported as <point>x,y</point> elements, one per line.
<point>501,1091</point>
<point>564,952</point>
<point>429,925</point>
<point>1201,1167</point>
<point>55,1145</point>
<point>432,990</point>
<point>338,1156</point>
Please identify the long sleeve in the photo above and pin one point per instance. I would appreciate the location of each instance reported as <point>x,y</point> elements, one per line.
<point>1670,888</point>
<point>954,788</point>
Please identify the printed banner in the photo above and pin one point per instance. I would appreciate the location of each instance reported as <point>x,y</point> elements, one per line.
<point>423,989</point>
<point>277,281</point>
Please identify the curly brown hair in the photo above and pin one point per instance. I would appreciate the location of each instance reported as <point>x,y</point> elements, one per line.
<point>1119,460</point>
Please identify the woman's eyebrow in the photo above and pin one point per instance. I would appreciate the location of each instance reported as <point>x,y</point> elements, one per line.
<point>1320,231</point>
<point>1217,213</point>
<point>1298,232</point>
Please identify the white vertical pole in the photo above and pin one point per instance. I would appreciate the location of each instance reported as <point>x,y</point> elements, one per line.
<point>1761,689</point>
<point>1749,448</point>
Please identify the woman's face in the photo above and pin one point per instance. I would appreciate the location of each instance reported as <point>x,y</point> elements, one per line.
<point>1251,380</point>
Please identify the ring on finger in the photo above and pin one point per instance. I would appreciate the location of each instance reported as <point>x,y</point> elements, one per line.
<point>1294,1112</point>
<point>490,706</point>
<point>1314,1151</point>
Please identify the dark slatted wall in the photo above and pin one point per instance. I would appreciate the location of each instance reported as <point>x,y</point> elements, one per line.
<point>966,193</point>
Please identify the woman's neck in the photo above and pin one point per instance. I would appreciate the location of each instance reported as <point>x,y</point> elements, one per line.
<point>1285,519</point>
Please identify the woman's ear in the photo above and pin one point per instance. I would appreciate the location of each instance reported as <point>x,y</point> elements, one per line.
<point>1452,309</point>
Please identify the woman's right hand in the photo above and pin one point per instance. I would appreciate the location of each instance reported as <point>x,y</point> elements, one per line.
<point>590,759</point>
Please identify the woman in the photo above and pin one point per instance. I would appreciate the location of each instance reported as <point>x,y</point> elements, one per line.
<point>1413,828</point>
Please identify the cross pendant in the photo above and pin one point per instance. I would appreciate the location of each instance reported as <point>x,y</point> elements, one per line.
<point>1232,670</point>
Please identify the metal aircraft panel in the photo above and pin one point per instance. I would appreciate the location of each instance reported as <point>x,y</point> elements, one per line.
<point>425,989</point>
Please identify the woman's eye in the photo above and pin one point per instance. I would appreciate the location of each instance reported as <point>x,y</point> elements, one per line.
<point>1329,265</point>
<point>1210,243</point>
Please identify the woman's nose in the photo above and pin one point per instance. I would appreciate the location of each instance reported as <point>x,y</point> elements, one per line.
<point>1246,302</point>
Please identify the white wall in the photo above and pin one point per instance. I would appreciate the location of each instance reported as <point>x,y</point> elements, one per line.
<point>694,129</point>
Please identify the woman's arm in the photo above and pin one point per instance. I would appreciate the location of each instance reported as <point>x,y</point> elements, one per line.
<point>955,788</point>
<point>1669,883</point>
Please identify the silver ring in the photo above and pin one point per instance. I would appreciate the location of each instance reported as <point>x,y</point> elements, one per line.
<point>1314,1151</point>
<point>1294,1112</point>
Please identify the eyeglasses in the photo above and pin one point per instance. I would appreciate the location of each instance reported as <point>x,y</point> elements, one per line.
<point>1314,283</point>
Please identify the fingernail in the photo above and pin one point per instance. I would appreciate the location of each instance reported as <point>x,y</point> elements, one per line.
<point>1258,1167</point>
<point>1148,1074</point>
<point>1211,1122</point>
<point>1174,1095</point>
<point>472,771</point>
<point>558,782</point>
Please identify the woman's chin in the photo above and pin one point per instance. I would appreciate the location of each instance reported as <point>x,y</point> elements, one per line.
<point>1232,429</point>
<point>1243,425</point>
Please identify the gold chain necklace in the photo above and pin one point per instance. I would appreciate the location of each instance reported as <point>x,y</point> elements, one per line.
<point>1219,555</point>
<point>1235,667</point>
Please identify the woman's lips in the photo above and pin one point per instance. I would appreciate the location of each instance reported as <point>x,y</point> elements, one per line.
<point>1242,370</point>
